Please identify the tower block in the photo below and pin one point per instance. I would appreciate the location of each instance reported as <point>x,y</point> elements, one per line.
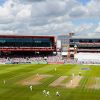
<point>68,55</point>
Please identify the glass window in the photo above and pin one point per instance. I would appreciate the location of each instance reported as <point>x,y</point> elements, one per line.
<point>25,42</point>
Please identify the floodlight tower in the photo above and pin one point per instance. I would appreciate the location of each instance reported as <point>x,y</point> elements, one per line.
<point>68,55</point>
<point>75,49</point>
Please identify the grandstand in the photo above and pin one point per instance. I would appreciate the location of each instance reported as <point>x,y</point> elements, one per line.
<point>27,43</point>
<point>85,49</point>
<point>29,49</point>
<point>47,50</point>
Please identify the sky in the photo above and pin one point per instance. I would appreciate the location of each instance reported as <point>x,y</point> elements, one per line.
<point>84,2</point>
<point>50,17</point>
<point>2,1</point>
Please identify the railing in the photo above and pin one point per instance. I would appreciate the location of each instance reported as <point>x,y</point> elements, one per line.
<point>27,49</point>
<point>84,43</point>
<point>89,43</point>
<point>88,50</point>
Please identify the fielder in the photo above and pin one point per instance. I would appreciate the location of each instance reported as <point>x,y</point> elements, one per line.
<point>31,87</point>
<point>4,81</point>
<point>55,69</point>
<point>71,81</point>
<point>80,74</point>
<point>73,74</point>
<point>44,91</point>
<point>57,93</point>
<point>48,93</point>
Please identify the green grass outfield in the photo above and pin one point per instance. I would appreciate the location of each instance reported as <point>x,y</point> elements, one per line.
<point>12,74</point>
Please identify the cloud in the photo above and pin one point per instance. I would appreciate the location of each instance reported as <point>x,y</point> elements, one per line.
<point>24,13</point>
<point>29,1</point>
<point>78,12</point>
<point>47,17</point>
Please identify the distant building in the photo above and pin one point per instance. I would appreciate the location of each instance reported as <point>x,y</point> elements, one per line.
<point>65,40</point>
<point>84,44</point>
<point>58,45</point>
<point>65,43</point>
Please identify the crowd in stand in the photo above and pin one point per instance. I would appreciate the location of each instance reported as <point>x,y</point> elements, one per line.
<point>3,60</point>
<point>87,58</point>
<point>33,59</point>
<point>84,61</point>
<point>53,59</point>
<point>80,58</point>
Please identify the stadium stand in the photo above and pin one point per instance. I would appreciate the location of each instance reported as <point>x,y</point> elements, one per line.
<point>56,59</point>
<point>88,58</point>
<point>46,50</point>
<point>86,50</point>
<point>29,49</point>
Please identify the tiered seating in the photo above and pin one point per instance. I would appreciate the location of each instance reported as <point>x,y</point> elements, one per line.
<point>18,60</point>
<point>33,59</point>
<point>37,60</point>
<point>3,60</point>
<point>55,59</point>
<point>88,57</point>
